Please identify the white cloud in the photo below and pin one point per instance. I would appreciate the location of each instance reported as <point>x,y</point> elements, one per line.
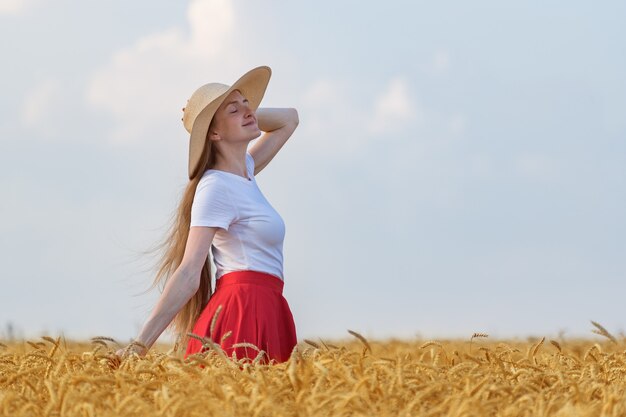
<point>335,123</point>
<point>211,22</point>
<point>41,105</point>
<point>146,83</point>
<point>394,108</point>
<point>319,102</point>
<point>321,93</point>
<point>14,7</point>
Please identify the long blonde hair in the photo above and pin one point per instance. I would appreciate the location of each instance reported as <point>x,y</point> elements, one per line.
<point>172,249</point>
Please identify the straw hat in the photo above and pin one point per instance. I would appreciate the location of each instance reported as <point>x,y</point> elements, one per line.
<point>204,102</point>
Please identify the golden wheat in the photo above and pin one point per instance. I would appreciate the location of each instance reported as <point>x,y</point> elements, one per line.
<point>603,332</point>
<point>361,338</point>
<point>351,377</point>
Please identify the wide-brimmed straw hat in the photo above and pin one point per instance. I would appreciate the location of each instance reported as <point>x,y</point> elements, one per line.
<point>204,102</point>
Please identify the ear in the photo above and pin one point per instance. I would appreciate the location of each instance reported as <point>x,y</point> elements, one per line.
<point>214,136</point>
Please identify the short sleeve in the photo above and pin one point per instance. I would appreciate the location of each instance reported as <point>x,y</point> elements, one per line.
<point>212,204</point>
<point>250,164</point>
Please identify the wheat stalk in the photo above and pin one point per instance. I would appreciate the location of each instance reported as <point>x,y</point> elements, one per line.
<point>315,345</point>
<point>361,338</point>
<point>476,335</point>
<point>603,332</point>
<point>226,335</point>
<point>246,344</point>
<point>207,342</point>
<point>217,312</point>
<point>108,339</point>
<point>431,343</point>
<point>51,340</point>
<point>535,349</point>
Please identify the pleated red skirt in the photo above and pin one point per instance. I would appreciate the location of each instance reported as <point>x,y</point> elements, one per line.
<point>255,311</point>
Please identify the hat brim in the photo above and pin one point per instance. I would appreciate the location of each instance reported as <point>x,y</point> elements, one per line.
<point>252,86</point>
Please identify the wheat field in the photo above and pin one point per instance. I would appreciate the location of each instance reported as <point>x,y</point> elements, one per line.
<point>352,377</point>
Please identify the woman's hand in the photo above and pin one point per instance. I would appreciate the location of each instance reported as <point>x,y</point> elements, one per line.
<point>133,347</point>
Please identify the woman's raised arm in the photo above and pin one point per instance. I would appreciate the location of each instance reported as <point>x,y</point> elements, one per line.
<point>278,125</point>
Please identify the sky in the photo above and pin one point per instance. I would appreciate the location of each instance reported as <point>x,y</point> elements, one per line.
<point>459,167</point>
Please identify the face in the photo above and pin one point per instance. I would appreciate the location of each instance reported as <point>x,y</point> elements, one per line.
<point>234,121</point>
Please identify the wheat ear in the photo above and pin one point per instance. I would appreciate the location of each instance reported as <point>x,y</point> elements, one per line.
<point>361,338</point>
<point>603,332</point>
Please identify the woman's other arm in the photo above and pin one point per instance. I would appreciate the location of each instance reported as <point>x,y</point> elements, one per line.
<point>180,287</point>
<point>278,125</point>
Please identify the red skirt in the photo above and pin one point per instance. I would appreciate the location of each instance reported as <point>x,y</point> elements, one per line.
<point>255,311</point>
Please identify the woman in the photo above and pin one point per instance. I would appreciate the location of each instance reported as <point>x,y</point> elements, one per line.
<point>223,209</point>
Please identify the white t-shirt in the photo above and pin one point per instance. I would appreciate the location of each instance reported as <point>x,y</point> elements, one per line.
<point>251,232</point>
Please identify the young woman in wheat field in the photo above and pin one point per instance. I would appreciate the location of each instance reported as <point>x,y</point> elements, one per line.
<point>223,209</point>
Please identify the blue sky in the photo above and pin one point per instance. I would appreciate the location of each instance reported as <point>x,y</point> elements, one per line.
<point>459,167</point>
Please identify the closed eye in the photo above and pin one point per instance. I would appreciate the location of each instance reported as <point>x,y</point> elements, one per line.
<point>245,100</point>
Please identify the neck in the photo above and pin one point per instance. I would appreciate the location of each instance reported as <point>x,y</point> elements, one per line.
<point>232,159</point>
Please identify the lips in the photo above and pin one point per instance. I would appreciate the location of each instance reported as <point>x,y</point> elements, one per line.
<point>251,122</point>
